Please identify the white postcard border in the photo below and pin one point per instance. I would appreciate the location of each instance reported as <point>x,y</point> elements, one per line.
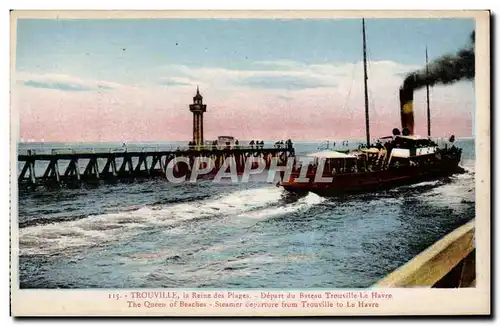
<point>404,301</point>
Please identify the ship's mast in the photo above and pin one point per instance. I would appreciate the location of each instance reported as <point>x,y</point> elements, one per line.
<point>367,116</point>
<point>428,101</point>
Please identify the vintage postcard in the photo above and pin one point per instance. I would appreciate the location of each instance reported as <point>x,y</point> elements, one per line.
<point>250,163</point>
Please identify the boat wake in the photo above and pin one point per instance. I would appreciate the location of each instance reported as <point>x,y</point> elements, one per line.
<point>301,204</point>
<point>237,207</point>
<point>458,194</point>
<point>425,184</point>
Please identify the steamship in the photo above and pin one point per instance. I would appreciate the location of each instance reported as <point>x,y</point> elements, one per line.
<point>400,159</point>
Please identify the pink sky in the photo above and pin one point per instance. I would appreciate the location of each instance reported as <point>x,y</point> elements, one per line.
<point>152,112</point>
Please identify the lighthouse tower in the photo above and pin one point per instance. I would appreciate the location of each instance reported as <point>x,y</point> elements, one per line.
<point>198,108</point>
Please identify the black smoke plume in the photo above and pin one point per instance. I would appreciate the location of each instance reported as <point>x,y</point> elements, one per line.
<point>446,69</point>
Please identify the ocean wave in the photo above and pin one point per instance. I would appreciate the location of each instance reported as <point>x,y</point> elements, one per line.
<point>456,194</point>
<point>424,184</point>
<point>101,229</point>
<point>270,212</point>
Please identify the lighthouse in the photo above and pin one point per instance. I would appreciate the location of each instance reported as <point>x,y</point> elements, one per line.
<point>198,108</point>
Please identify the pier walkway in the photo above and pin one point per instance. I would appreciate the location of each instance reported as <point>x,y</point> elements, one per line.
<point>63,167</point>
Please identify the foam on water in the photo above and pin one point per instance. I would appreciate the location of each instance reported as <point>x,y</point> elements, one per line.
<point>157,235</point>
<point>424,184</point>
<point>265,213</point>
<point>100,229</point>
<point>226,205</point>
<point>454,194</point>
<point>87,232</point>
<point>240,208</point>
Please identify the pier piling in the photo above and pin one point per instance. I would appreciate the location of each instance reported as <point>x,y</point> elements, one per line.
<point>132,165</point>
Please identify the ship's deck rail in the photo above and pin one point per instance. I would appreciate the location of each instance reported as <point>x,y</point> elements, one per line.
<point>448,263</point>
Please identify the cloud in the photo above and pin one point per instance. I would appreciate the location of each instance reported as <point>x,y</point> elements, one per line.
<point>283,82</point>
<point>322,101</point>
<point>278,65</point>
<point>272,75</point>
<point>62,86</point>
<point>175,81</point>
<point>285,74</point>
<point>63,82</point>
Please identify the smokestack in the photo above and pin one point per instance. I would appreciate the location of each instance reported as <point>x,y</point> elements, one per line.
<point>406,102</point>
<point>447,69</point>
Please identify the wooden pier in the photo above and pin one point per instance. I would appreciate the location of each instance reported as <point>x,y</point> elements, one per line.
<point>64,169</point>
<point>448,263</point>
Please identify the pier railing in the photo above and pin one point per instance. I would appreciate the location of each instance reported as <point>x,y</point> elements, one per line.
<point>68,150</point>
<point>62,166</point>
<point>448,263</point>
